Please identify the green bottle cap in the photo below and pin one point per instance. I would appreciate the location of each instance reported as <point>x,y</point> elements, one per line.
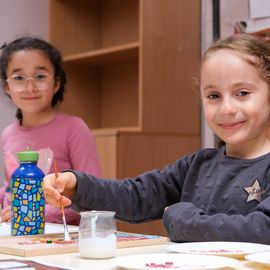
<point>28,155</point>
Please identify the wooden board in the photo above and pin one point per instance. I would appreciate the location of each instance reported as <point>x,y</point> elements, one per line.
<point>125,239</point>
<point>23,246</point>
<point>18,246</point>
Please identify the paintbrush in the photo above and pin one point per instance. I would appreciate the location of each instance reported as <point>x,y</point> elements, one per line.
<point>66,233</point>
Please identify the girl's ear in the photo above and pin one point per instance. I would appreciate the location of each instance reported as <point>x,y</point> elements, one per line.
<point>7,91</point>
<point>57,84</point>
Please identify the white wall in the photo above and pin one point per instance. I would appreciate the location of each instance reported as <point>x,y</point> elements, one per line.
<point>19,18</point>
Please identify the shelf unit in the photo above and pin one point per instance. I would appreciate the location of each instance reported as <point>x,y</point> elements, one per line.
<point>130,65</point>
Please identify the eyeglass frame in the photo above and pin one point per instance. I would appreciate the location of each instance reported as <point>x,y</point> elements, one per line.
<point>28,78</point>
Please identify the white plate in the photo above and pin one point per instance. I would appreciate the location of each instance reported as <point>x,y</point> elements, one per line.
<point>228,249</point>
<point>260,257</point>
<point>158,261</point>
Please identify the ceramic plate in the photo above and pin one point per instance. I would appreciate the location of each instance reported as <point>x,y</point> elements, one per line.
<point>175,261</point>
<point>260,257</point>
<point>228,249</point>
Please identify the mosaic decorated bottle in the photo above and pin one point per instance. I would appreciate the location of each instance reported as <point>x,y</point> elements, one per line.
<point>27,199</point>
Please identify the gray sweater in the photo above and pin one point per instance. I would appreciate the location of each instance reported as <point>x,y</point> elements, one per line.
<point>210,197</point>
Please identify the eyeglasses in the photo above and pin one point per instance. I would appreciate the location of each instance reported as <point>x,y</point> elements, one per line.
<point>18,83</point>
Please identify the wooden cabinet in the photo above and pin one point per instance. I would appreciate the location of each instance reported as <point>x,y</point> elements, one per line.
<point>130,65</point>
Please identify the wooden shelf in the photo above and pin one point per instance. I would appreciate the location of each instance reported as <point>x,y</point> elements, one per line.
<point>107,56</point>
<point>129,65</point>
<point>81,26</point>
<point>114,131</point>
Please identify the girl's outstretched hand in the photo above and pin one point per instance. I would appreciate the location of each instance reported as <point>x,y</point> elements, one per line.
<point>6,214</point>
<point>63,186</point>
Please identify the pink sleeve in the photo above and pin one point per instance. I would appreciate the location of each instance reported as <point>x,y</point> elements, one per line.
<point>83,157</point>
<point>82,149</point>
<point>2,194</point>
<point>5,197</point>
<point>54,215</point>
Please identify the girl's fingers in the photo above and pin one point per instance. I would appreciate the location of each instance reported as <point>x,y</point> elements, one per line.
<point>51,192</point>
<point>53,188</point>
<point>6,210</point>
<point>6,217</point>
<point>6,214</point>
<point>66,201</point>
<point>54,202</point>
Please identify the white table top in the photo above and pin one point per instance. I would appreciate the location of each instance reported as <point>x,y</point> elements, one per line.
<point>74,261</point>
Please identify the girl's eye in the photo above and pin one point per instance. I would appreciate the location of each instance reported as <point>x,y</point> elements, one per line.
<point>18,78</point>
<point>243,93</point>
<point>41,77</point>
<point>213,96</point>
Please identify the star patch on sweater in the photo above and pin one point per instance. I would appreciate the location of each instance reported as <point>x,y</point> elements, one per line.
<point>255,192</point>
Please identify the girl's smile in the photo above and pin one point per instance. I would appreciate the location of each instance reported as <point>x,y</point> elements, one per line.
<point>30,98</point>
<point>232,126</point>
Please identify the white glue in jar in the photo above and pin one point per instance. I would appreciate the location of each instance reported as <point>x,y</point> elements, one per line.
<point>97,235</point>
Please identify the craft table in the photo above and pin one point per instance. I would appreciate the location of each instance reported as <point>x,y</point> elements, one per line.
<point>74,261</point>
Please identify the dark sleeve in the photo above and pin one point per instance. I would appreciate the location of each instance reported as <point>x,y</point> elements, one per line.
<point>184,222</point>
<point>134,200</point>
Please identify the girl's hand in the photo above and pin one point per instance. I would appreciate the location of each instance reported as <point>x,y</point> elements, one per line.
<point>6,214</point>
<point>64,186</point>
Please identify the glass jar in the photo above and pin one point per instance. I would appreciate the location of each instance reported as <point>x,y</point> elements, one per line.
<point>97,234</point>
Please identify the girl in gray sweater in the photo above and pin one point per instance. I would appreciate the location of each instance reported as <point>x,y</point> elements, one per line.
<point>219,194</point>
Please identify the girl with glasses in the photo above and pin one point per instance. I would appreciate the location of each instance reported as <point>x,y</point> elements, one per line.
<point>33,78</point>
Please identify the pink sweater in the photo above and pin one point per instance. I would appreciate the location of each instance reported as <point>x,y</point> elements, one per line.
<point>67,139</point>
